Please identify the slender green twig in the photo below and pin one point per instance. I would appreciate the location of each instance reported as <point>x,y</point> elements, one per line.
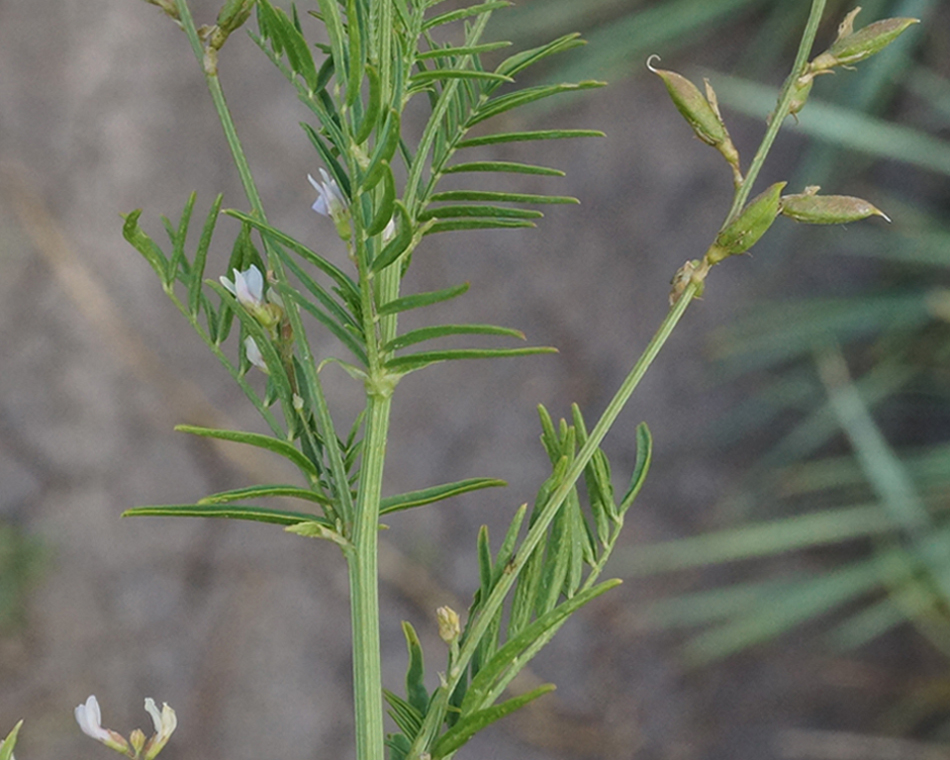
<point>781,110</point>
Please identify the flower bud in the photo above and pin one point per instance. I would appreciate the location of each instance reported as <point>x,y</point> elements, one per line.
<point>745,230</point>
<point>811,208</point>
<point>449,625</point>
<point>852,47</point>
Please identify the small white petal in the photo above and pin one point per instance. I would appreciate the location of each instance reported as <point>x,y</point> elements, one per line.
<point>90,719</point>
<point>253,353</point>
<point>152,710</point>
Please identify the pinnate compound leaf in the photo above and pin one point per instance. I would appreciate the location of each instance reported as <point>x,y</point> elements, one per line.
<point>230,512</point>
<point>419,300</point>
<point>470,725</point>
<point>436,493</point>
<point>283,448</point>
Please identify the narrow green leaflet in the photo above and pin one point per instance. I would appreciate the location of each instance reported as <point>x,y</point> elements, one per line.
<point>346,336</point>
<point>640,467</point>
<point>437,75</point>
<point>283,448</point>
<point>436,493</point>
<point>441,331</point>
<point>412,362</point>
<point>541,134</point>
<point>494,196</point>
<point>470,725</point>
<point>399,244</point>
<point>230,512</point>
<point>415,674</point>
<point>502,166</point>
<point>459,52</point>
<point>418,300</point>
<point>178,239</point>
<point>454,225</point>
<point>201,256</point>
<point>141,242</point>
<point>494,212</point>
<point>472,10</point>
<point>504,103</point>
<point>520,61</point>
<point>264,491</point>
<point>7,745</point>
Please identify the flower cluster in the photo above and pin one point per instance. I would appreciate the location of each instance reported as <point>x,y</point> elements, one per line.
<point>136,747</point>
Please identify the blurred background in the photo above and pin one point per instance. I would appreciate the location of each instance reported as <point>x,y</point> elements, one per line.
<point>788,561</point>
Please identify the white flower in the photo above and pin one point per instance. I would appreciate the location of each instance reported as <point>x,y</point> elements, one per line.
<point>330,201</point>
<point>254,356</point>
<point>90,721</point>
<point>389,231</point>
<point>165,723</point>
<point>248,287</point>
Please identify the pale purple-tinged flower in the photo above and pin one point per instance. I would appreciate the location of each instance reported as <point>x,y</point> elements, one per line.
<point>90,721</point>
<point>330,201</point>
<point>254,356</point>
<point>248,287</point>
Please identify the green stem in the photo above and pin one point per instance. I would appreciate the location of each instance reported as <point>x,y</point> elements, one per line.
<point>364,593</point>
<point>560,494</point>
<point>781,110</point>
<point>221,106</point>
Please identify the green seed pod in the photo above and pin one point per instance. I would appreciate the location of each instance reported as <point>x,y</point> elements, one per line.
<point>800,92</point>
<point>690,102</point>
<point>745,230</point>
<point>810,208</point>
<point>853,47</point>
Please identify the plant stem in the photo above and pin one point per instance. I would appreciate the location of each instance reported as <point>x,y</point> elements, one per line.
<point>781,110</point>
<point>539,528</point>
<point>364,593</point>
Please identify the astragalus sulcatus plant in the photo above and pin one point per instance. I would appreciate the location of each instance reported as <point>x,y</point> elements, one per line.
<point>355,66</point>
